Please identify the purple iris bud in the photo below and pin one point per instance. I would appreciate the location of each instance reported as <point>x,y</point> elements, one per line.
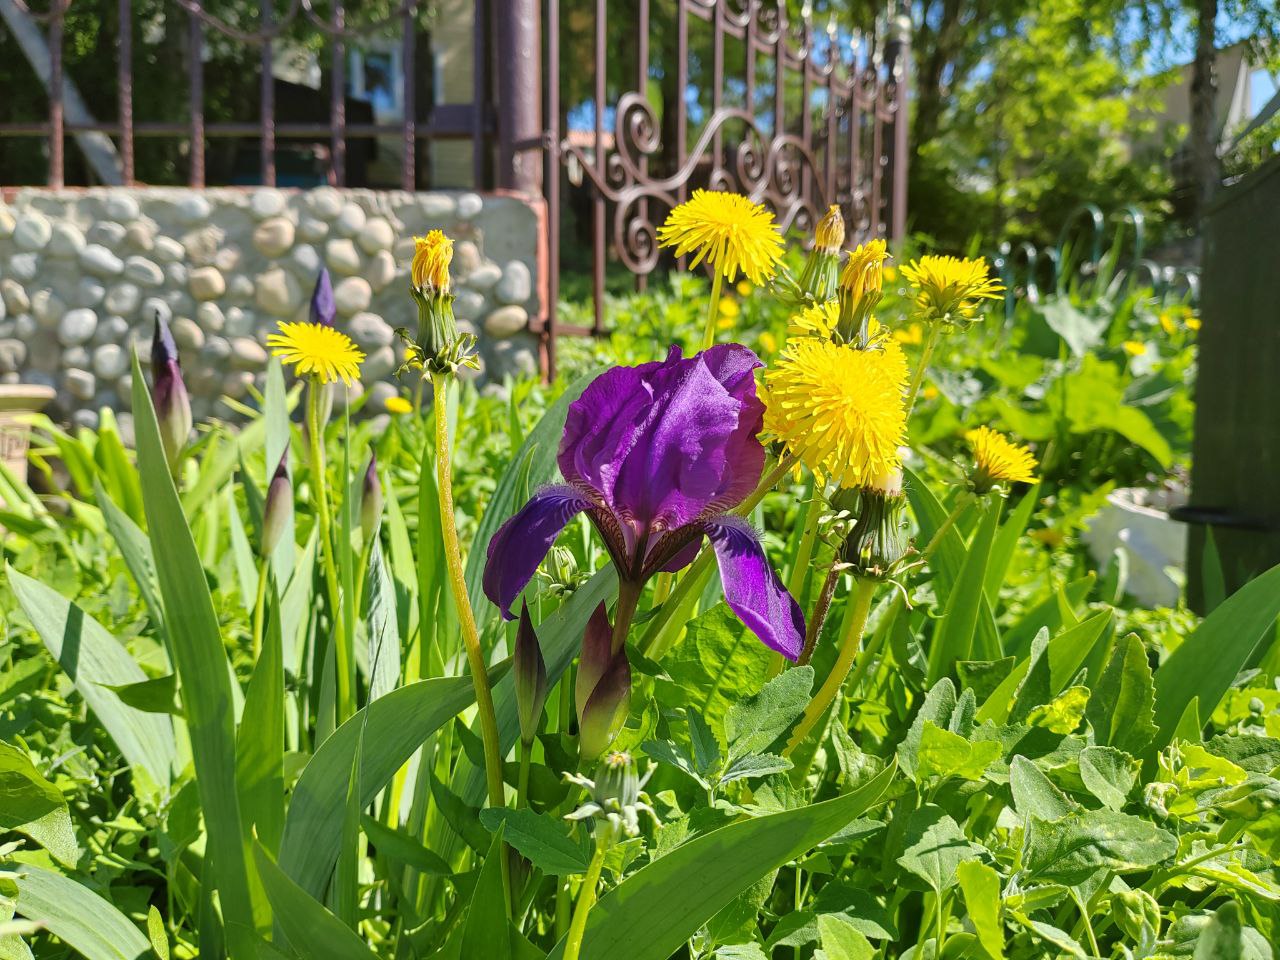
<point>169,393</point>
<point>323,307</point>
<point>530,676</point>
<point>279,504</point>
<point>603,691</point>
<point>595,658</point>
<point>656,455</point>
<point>370,500</point>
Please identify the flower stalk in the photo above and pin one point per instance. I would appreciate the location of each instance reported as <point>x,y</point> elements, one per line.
<point>713,311</point>
<point>586,900</point>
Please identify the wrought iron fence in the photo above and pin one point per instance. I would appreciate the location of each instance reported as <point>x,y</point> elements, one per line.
<point>791,113</point>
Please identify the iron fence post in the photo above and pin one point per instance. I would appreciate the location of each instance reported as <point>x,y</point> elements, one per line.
<point>898,65</point>
<point>519,95</point>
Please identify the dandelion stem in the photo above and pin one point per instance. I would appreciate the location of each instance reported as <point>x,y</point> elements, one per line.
<point>586,900</point>
<point>917,378</point>
<point>936,540</point>
<point>320,494</point>
<point>850,643</point>
<point>458,587</point>
<point>713,310</point>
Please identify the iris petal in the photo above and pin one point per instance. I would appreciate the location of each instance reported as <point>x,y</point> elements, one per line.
<point>520,544</point>
<point>751,588</point>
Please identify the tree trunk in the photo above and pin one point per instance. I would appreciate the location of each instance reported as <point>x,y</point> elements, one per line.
<point>1205,169</point>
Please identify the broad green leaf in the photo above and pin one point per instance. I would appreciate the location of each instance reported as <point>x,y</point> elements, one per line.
<point>135,548</point>
<point>539,451</point>
<point>664,751</point>
<point>1066,944</point>
<point>261,737</point>
<point>841,940</point>
<point>313,931</point>
<point>203,674</point>
<point>980,885</point>
<point>1109,774</point>
<point>486,931</point>
<point>1046,614</point>
<point>860,908</point>
<point>402,848</point>
<point>1034,794</point>
<point>1207,662</point>
<point>755,765</point>
<point>396,726</point>
<point>1224,937</point>
<point>1006,542</point>
<point>384,631</point>
<point>939,708</point>
<point>156,933</point>
<point>157,695</point>
<point>1122,707</point>
<point>94,661</point>
<point>32,805</point>
<point>76,915</point>
<point>716,662</point>
<point>544,840</point>
<point>934,847</point>
<point>1071,849</point>
<point>953,639</point>
<point>1063,713</point>
<point>658,908</point>
<point>945,754</point>
<point>754,722</point>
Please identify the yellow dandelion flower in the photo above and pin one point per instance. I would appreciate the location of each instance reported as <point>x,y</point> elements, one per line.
<point>930,392</point>
<point>729,307</point>
<point>997,459</point>
<point>912,334</point>
<point>727,230</point>
<point>864,270</point>
<point>398,405</point>
<point>838,409</point>
<point>724,323</point>
<point>1193,323</point>
<point>890,273</point>
<point>818,320</point>
<point>1168,324</point>
<point>768,342</point>
<point>948,289</point>
<point>744,288</point>
<point>828,235</point>
<point>1134,348</point>
<point>432,255</point>
<point>316,350</point>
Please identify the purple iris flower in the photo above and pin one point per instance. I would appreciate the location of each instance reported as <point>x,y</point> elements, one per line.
<point>656,455</point>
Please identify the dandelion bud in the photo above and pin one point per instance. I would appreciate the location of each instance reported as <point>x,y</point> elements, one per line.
<point>370,500</point>
<point>275,513</point>
<point>438,347</point>
<point>860,286</point>
<point>606,709</point>
<point>531,678</point>
<point>878,543</point>
<point>817,283</point>
<point>169,393</point>
<point>324,309</point>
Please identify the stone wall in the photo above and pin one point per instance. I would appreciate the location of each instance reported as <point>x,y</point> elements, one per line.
<point>83,273</point>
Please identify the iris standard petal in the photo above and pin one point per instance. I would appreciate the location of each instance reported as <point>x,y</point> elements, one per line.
<point>751,588</point>
<point>520,544</point>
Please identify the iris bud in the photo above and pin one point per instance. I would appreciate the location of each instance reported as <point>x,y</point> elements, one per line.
<point>370,500</point>
<point>596,655</point>
<point>324,309</point>
<point>169,393</point>
<point>275,513</point>
<point>606,709</point>
<point>530,677</point>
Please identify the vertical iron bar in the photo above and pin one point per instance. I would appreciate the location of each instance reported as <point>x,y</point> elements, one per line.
<point>56,162</point>
<point>830,152</point>
<point>877,156</point>
<point>780,73</point>
<point>338,99</point>
<point>682,112</point>
<point>806,107</point>
<point>267,106</point>
<point>519,95</point>
<point>597,202</point>
<point>195,33</point>
<point>749,57</point>
<point>408,170</point>
<point>855,141</point>
<point>551,175</point>
<point>479,96</point>
<point>717,87</point>
<point>900,65</point>
<point>124,98</point>
<point>642,88</point>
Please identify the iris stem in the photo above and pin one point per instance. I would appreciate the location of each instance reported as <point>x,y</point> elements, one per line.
<point>466,619</point>
<point>259,607</point>
<point>917,378</point>
<point>586,900</point>
<point>713,311</point>
<point>320,494</point>
<point>624,613</point>
<point>850,643</point>
<point>522,788</point>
